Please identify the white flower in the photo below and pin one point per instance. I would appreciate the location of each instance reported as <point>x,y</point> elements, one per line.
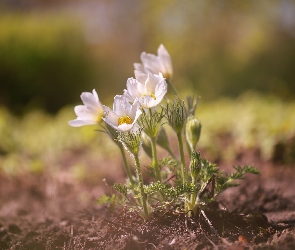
<point>124,115</point>
<point>148,89</point>
<point>156,64</point>
<point>90,113</point>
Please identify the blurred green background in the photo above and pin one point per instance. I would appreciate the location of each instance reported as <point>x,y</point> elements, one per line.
<point>239,56</point>
<point>51,51</point>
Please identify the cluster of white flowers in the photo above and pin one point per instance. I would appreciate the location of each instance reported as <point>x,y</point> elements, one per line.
<point>136,121</point>
<point>146,90</point>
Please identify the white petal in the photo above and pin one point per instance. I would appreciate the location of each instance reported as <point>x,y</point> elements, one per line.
<point>165,60</point>
<point>151,83</point>
<point>139,67</point>
<point>85,113</point>
<point>140,76</point>
<point>161,91</point>
<point>150,62</point>
<point>147,101</point>
<point>135,111</point>
<point>79,123</point>
<point>128,96</point>
<point>141,88</point>
<point>132,88</point>
<point>91,100</point>
<point>95,95</point>
<point>162,51</point>
<point>135,129</point>
<point>125,127</point>
<point>111,117</point>
<point>121,105</point>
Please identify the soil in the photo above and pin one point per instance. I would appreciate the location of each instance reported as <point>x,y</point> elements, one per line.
<point>55,211</point>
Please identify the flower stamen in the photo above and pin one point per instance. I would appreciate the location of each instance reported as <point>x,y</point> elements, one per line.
<point>124,119</point>
<point>152,95</point>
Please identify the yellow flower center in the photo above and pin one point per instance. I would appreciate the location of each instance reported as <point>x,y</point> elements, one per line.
<point>99,117</point>
<point>124,119</point>
<point>152,95</point>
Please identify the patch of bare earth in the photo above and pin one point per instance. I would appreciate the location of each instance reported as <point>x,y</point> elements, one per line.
<point>44,212</point>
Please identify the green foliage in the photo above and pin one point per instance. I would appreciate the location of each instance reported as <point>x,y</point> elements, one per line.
<point>250,47</point>
<point>39,142</point>
<point>168,161</point>
<point>208,170</point>
<point>209,173</point>
<point>252,121</point>
<point>249,122</point>
<point>167,165</point>
<point>171,193</point>
<point>226,181</point>
<point>121,189</point>
<point>41,56</point>
<point>43,52</point>
<point>196,164</point>
<point>156,187</point>
<point>111,201</point>
<point>208,181</point>
<point>131,141</point>
<point>150,121</point>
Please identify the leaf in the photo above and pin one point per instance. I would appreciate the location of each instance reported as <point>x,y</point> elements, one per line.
<point>120,188</point>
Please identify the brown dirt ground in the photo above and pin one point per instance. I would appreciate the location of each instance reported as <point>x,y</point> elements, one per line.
<point>56,212</point>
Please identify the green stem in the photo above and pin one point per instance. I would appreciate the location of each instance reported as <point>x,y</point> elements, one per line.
<point>183,169</point>
<point>189,149</point>
<point>171,153</point>
<point>127,168</point>
<point>155,162</point>
<point>171,86</point>
<point>192,200</point>
<point>143,195</point>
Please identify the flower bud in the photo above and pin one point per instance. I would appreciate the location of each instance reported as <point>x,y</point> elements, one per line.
<point>195,164</point>
<point>150,121</point>
<point>131,140</point>
<point>176,115</point>
<point>192,131</point>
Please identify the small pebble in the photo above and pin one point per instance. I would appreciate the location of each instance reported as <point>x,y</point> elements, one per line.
<point>242,239</point>
<point>64,223</point>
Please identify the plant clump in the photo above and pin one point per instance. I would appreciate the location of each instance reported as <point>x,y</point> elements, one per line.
<point>138,122</point>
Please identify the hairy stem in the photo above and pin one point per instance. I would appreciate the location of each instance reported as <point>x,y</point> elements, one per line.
<point>171,153</point>
<point>192,202</point>
<point>189,149</point>
<point>127,168</point>
<point>155,161</point>
<point>143,195</point>
<point>183,168</point>
<point>172,87</point>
